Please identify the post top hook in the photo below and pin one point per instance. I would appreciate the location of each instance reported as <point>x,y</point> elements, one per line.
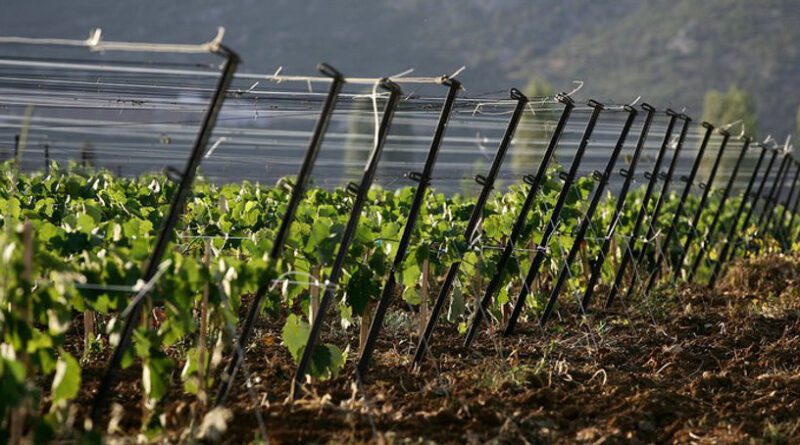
<point>517,95</point>
<point>330,71</point>
<point>389,85</point>
<point>595,104</point>
<point>565,99</point>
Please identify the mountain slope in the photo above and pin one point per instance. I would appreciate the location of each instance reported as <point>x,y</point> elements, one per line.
<point>669,51</point>
<point>672,52</point>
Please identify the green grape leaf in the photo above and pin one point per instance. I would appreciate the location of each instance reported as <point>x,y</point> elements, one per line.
<point>411,274</point>
<point>67,380</point>
<point>156,376</point>
<point>295,335</point>
<point>361,286</point>
<point>327,361</point>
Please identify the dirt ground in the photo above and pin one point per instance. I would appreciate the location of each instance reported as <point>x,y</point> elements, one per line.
<point>686,366</point>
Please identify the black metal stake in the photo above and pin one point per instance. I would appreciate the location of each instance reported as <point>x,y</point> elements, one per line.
<point>47,158</point>
<point>693,227</point>
<point>735,221</point>
<point>771,199</point>
<point>519,224</point>
<point>784,238</point>
<point>663,252</point>
<point>184,187</point>
<point>795,209</point>
<point>628,174</point>
<point>487,183</point>
<point>602,181</point>
<point>709,237</point>
<point>555,216</point>
<point>424,180</point>
<point>350,230</point>
<point>750,211</point>
<point>298,192</point>
<point>662,198</point>
<point>637,225</point>
<point>765,220</point>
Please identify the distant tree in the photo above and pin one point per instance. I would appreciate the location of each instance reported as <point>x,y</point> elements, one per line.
<point>721,108</point>
<point>534,131</point>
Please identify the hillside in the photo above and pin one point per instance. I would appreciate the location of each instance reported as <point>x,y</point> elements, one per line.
<point>670,51</point>
<point>675,51</point>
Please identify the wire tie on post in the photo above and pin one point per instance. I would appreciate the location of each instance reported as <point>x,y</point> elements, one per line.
<point>417,177</point>
<point>529,179</point>
<point>352,188</point>
<point>173,174</point>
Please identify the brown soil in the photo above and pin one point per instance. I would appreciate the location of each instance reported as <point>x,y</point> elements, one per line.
<point>692,366</point>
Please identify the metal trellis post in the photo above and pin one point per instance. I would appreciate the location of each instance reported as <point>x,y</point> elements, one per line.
<point>672,228</point>
<point>710,234</point>
<point>487,183</point>
<point>298,192</point>
<point>637,225</point>
<point>602,181</point>
<point>735,221</point>
<point>701,206</point>
<point>349,232</point>
<point>555,216</point>
<point>662,198</point>
<point>628,174</point>
<point>750,212</point>
<point>166,233</point>
<point>782,234</point>
<point>765,220</point>
<point>424,180</point>
<point>519,224</point>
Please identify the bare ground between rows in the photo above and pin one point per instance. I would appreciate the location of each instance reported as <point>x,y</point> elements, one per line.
<point>686,366</point>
